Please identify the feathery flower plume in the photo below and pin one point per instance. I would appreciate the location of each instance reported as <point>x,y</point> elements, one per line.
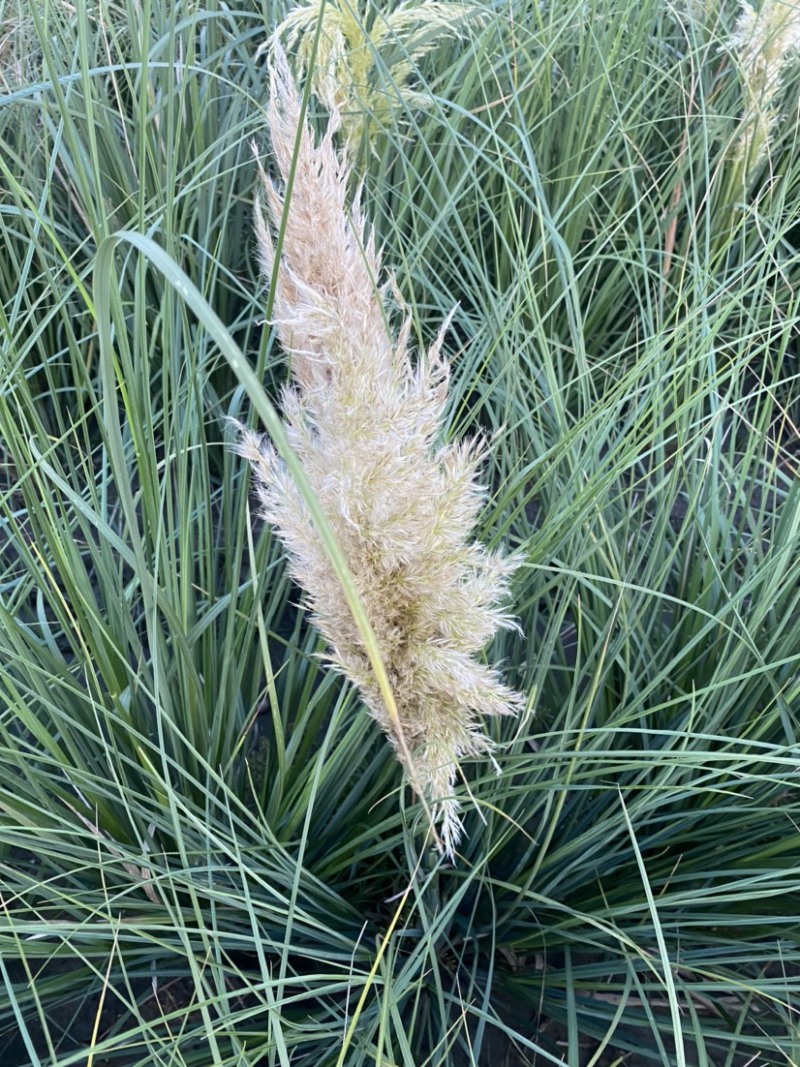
<point>365,422</point>
<point>352,37</point>
<point>764,40</point>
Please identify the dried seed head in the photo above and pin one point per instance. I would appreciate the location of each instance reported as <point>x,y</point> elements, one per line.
<point>346,55</point>
<point>365,422</point>
<point>764,40</point>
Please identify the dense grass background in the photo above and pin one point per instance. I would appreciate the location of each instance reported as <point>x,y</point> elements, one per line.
<point>206,851</point>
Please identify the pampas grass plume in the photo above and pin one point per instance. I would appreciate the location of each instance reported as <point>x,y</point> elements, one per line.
<point>764,40</point>
<point>365,422</point>
<point>345,58</point>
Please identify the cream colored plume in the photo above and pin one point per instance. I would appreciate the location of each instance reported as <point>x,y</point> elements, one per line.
<point>365,422</point>
<point>764,40</point>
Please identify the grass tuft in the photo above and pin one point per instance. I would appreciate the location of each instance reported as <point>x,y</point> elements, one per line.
<point>206,853</point>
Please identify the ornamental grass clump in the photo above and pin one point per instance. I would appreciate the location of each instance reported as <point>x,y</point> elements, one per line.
<point>366,422</point>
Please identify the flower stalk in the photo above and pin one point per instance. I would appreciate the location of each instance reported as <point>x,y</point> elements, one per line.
<point>365,421</point>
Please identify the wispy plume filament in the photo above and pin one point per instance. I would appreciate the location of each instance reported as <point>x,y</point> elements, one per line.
<point>365,423</point>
